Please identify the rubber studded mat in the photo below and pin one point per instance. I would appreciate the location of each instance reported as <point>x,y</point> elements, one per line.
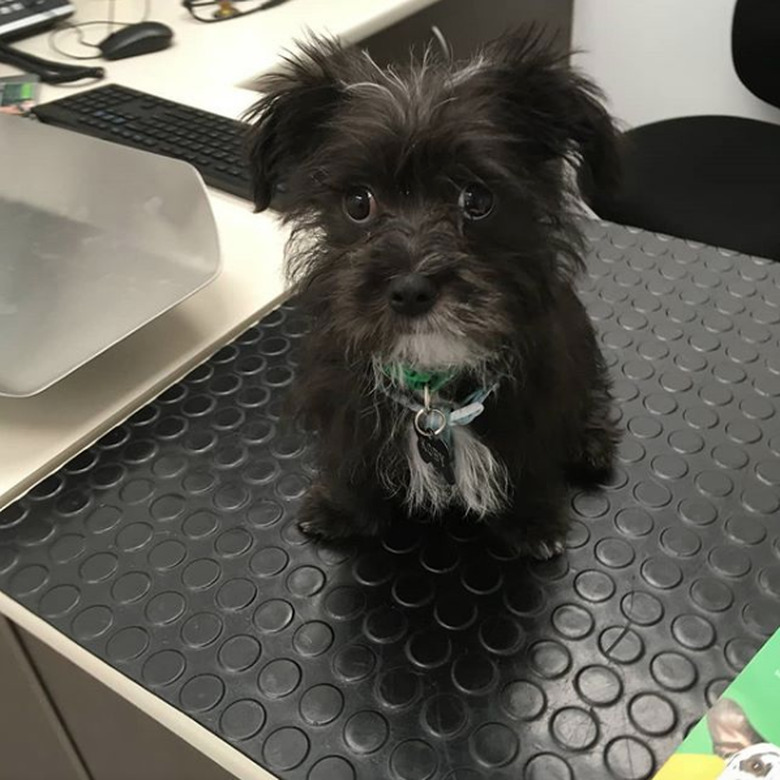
<point>170,550</point>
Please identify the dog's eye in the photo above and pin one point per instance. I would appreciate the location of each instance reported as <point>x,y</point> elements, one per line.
<point>359,204</point>
<point>475,201</point>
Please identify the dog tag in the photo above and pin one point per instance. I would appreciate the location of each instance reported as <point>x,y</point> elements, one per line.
<point>436,453</point>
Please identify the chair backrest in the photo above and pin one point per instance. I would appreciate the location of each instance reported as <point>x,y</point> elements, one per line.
<point>755,47</point>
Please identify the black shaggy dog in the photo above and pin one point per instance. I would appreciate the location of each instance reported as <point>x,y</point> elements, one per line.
<point>450,369</point>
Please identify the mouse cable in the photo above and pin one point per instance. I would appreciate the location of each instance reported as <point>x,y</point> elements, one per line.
<point>77,28</point>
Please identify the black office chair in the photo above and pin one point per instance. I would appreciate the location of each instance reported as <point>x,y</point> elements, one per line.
<point>714,179</point>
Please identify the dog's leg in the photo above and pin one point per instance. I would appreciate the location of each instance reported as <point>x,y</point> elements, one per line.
<point>594,454</point>
<point>338,514</point>
<point>536,528</point>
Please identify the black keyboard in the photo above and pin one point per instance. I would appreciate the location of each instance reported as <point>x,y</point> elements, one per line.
<point>19,18</point>
<point>213,144</point>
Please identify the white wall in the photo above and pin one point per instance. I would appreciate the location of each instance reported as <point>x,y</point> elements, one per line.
<point>657,59</point>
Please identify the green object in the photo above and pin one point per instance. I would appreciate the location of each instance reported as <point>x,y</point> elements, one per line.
<point>18,93</point>
<point>755,696</point>
<point>416,379</point>
<point>757,691</point>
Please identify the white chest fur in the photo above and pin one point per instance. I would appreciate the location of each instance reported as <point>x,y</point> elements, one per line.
<point>481,481</point>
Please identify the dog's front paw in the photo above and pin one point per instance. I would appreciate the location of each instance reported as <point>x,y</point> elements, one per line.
<point>319,518</point>
<point>541,550</point>
<point>599,450</point>
<point>525,546</point>
<point>594,463</point>
<point>323,518</point>
<point>539,533</point>
<point>314,527</point>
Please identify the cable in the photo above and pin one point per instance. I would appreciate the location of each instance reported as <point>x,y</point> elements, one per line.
<point>77,28</point>
<point>48,71</point>
<point>68,27</point>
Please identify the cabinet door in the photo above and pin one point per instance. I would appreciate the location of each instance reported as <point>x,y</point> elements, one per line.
<point>115,739</point>
<point>33,743</point>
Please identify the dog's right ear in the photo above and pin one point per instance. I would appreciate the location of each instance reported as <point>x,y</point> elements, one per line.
<point>730,729</point>
<point>290,120</point>
<point>555,111</point>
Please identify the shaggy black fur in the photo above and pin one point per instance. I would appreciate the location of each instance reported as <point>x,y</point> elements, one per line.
<point>507,121</point>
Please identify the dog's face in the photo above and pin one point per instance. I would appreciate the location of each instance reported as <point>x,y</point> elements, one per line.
<point>735,739</point>
<point>430,204</point>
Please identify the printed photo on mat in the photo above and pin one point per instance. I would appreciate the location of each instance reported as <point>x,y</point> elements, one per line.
<point>739,738</point>
<point>18,94</point>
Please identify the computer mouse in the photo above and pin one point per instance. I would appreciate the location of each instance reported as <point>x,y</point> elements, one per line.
<point>135,39</point>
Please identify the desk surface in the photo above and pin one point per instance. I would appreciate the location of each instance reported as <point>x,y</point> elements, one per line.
<point>211,66</point>
<point>167,562</point>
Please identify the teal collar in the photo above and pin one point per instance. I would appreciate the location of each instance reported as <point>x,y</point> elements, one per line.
<point>447,413</point>
<point>416,379</point>
<point>407,385</point>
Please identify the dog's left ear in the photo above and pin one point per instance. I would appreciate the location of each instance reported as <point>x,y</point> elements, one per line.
<point>290,121</point>
<point>556,112</point>
<point>730,729</point>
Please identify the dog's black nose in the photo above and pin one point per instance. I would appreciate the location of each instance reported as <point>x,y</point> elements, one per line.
<point>412,294</point>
